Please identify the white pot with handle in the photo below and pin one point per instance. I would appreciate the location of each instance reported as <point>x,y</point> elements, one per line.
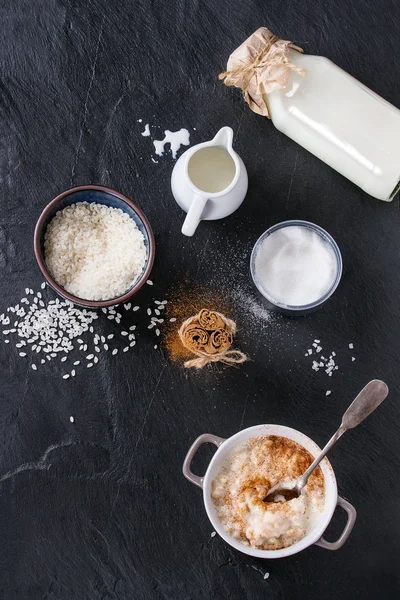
<point>226,446</point>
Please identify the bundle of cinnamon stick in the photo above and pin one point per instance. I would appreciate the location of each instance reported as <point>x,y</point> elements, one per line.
<point>209,335</point>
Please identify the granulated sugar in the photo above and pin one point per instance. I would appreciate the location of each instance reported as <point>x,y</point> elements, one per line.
<point>327,363</point>
<point>295,266</point>
<point>251,306</point>
<point>322,362</point>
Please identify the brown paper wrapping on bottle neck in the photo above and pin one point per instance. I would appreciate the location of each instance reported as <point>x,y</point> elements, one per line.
<point>260,66</point>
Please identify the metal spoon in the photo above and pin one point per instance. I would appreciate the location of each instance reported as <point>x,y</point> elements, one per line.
<point>364,404</point>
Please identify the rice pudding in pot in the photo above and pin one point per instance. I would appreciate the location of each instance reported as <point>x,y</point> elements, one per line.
<point>244,480</point>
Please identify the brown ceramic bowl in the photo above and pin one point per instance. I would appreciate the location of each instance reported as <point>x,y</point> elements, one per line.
<point>101,195</point>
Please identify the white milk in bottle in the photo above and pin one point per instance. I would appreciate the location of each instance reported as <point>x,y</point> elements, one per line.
<point>322,108</point>
<point>341,121</point>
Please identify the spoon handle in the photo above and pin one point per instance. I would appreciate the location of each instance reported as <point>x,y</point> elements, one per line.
<point>302,480</point>
<point>365,403</point>
<point>362,406</point>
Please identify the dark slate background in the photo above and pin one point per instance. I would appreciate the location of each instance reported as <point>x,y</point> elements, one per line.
<point>99,508</point>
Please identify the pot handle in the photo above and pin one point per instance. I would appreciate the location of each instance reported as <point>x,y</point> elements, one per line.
<point>206,438</point>
<point>351,519</point>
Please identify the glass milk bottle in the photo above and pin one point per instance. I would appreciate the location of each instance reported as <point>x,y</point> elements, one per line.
<point>322,108</point>
<point>342,122</point>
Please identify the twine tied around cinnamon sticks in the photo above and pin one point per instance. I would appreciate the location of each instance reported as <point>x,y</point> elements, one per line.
<point>209,335</point>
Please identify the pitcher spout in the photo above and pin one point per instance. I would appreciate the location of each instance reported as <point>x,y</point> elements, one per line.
<point>224,138</point>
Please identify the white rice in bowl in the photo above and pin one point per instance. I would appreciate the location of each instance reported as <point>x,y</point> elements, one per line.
<point>94,251</point>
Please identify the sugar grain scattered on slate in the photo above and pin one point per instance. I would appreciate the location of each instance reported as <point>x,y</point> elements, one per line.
<point>328,364</point>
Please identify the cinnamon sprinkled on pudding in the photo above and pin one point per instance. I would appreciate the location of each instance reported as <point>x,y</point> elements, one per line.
<point>245,478</point>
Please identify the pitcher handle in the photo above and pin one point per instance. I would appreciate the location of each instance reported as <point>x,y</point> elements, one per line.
<point>351,519</point>
<point>202,439</point>
<point>193,216</point>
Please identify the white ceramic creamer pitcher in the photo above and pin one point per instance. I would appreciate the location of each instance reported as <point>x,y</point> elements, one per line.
<point>209,181</point>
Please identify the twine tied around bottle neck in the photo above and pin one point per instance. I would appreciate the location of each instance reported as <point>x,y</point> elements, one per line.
<point>231,76</point>
<point>260,66</point>
<point>209,335</point>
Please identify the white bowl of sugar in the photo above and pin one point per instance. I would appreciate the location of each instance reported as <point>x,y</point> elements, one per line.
<point>296,266</point>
